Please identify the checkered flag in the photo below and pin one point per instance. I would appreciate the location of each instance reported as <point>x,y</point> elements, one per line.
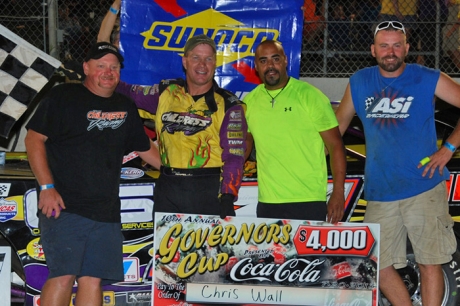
<point>4,189</point>
<point>369,101</point>
<point>24,71</point>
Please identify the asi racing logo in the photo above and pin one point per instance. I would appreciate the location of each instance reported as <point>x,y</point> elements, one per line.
<point>188,123</point>
<point>387,108</point>
<point>233,40</point>
<point>103,120</point>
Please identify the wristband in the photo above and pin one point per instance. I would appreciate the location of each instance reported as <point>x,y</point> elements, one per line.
<point>47,186</point>
<point>113,10</point>
<point>450,147</point>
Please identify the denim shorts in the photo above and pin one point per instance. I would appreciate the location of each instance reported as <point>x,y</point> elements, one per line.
<point>74,245</point>
<point>423,218</point>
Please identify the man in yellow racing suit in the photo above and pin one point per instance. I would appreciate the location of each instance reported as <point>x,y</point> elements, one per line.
<point>201,131</point>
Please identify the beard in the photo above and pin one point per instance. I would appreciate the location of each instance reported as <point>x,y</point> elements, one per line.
<point>272,80</point>
<point>391,67</point>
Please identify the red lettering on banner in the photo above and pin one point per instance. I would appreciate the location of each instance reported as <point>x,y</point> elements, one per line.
<point>333,240</point>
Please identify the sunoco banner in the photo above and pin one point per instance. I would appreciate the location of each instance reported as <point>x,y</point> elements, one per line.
<point>246,261</point>
<point>154,32</point>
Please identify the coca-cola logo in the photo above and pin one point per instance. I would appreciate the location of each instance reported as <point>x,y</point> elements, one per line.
<point>293,270</point>
<point>341,270</point>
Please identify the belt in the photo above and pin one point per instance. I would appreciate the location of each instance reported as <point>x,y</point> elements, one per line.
<point>190,172</point>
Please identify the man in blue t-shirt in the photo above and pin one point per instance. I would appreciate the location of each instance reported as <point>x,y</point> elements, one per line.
<point>405,171</point>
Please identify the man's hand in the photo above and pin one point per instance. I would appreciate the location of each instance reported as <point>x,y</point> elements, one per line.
<point>50,203</point>
<point>437,160</point>
<point>335,207</point>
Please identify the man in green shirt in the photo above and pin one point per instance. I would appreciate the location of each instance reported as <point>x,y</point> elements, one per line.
<point>291,121</point>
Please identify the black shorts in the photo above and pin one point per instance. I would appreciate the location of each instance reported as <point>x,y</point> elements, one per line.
<point>193,194</point>
<point>315,211</point>
<point>74,245</point>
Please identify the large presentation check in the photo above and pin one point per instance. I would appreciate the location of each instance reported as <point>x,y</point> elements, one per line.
<point>243,261</point>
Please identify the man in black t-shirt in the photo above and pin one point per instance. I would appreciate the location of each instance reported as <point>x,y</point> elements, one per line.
<point>75,144</point>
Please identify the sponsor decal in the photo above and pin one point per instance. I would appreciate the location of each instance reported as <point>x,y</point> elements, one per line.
<point>131,269</point>
<point>8,209</point>
<point>234,41</point>
<point>388,108</point>
<point>150,90</point>
<point>139,297</point>
<point>35,250</point>
<point>137,225</point>
<point>238,135</point>
<point>129,173</point>
<point>238,152</point>
<point>4,189</point>
<point>145,90</point>
<point>129,157</point>
<point>235,142</point>
<point>235,116</point>
<point>234,126</point>
<point>341,270</point>
<point>103,120</point>
<point>188,123</point>
<point>108,298</point>
<point>233,99</point>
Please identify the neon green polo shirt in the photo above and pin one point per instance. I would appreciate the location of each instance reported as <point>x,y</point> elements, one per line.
<point>291,163</point>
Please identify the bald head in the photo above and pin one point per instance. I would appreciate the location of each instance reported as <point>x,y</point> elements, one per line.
<point>270,63</point>
<point>272,43</point>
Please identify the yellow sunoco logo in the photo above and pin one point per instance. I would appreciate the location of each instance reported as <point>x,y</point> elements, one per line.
<point>233,40</point>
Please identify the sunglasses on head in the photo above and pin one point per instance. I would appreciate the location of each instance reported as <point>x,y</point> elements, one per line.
<point>386,24</point>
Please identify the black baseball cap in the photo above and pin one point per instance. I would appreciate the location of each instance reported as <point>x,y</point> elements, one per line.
<point>100,49</point>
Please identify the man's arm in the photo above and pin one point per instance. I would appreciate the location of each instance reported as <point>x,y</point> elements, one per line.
<point>344,114</point>
<point>448,90</point>
<point>334,144</point>
<point>396,7</point>
<point>233,152</point>
<point>145,97</point>
<point>50,200</point>
<point>108,23</point>
<point>345,111</point>
<point>233,158</point>
<point>152,156</point>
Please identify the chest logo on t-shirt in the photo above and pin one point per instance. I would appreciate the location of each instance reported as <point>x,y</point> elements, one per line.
<point>388,107</point>
<point>104,120</point>
<point>188,123</point>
